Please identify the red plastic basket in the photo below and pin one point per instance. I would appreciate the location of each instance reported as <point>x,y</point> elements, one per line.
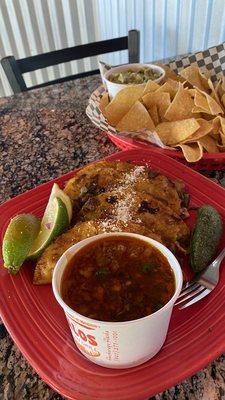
<point>209,161</point>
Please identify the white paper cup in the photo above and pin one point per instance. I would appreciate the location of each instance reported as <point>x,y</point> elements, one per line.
<point>113,88</point>
<point>118,344</point>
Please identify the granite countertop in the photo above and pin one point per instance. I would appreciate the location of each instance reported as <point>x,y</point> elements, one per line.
<point>44,134</point>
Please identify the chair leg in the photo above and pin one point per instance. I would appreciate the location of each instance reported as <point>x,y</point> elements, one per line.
<point>13,74</point>
<point>134,46</point>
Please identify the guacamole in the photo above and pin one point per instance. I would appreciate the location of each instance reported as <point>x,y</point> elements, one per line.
<point>142,75</point>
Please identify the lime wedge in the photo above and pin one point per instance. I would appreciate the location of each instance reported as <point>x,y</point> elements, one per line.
<point>57,192</point>
<point>55,220</point>
<point>19,236</point>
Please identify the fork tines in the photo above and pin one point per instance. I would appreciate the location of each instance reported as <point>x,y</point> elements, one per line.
<point>194,292</point>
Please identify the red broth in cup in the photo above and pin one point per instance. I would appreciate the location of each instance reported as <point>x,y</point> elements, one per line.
<point>116,279</point>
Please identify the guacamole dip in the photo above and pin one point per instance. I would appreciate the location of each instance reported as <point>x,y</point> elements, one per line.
<point>142,75</point>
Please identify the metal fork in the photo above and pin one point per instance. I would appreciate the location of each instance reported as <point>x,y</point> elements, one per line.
<point>202,284</point>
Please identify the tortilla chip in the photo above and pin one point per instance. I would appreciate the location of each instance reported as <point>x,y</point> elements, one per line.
<point>203,130</point>
<point>215,108</point>
<point>170,73</point>
<point>223,83</point>
<point>209,144</point>
<point>151,86</point>
<point>172,133</point>
<point>136,118</point>
<point>214,94</point>
<point>219,130</point>
<point>192,92</point>
<point>174,83</point>
<point>193,75</point>
<point>200,110</point>
<point>104,101</point>
<point>222,138</point>
<point>220,87</point>
<point>218,125</point>
<point>197,111</point>
<point>221,147</point>
<point>122,103</point>
<point>153,112</point>
<point>170,87</point>
<point>223,100</point>
<point>201,102</point>
<point>205,76</point>
<point>161,100</point>
<point>181,106</point>
<point>216,137</point>
<point>206,103</point>
<point>192,152</point>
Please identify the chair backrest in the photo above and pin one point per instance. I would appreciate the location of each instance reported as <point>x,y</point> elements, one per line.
<point>14,69</point>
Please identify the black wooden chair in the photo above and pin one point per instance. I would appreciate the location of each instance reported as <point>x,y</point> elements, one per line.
<point>14,69</point>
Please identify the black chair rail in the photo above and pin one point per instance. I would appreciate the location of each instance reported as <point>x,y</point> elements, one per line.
<point>14,69</point>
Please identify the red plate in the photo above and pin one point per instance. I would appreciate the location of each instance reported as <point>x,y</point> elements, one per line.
<point>38,326</point>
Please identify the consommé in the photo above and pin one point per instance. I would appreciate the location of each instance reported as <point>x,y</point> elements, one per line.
<point>117,278</point>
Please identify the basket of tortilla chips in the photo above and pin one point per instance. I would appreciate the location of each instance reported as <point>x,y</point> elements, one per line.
<point>184,115</point>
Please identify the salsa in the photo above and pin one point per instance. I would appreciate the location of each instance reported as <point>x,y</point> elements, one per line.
<point>143,75</point>
<point>117,279</point>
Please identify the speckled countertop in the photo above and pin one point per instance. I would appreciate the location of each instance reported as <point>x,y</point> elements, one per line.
<point>43,134</point>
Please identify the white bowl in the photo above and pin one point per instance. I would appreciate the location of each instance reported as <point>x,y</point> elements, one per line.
<point>113,88</point>
<point>118,344</point>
